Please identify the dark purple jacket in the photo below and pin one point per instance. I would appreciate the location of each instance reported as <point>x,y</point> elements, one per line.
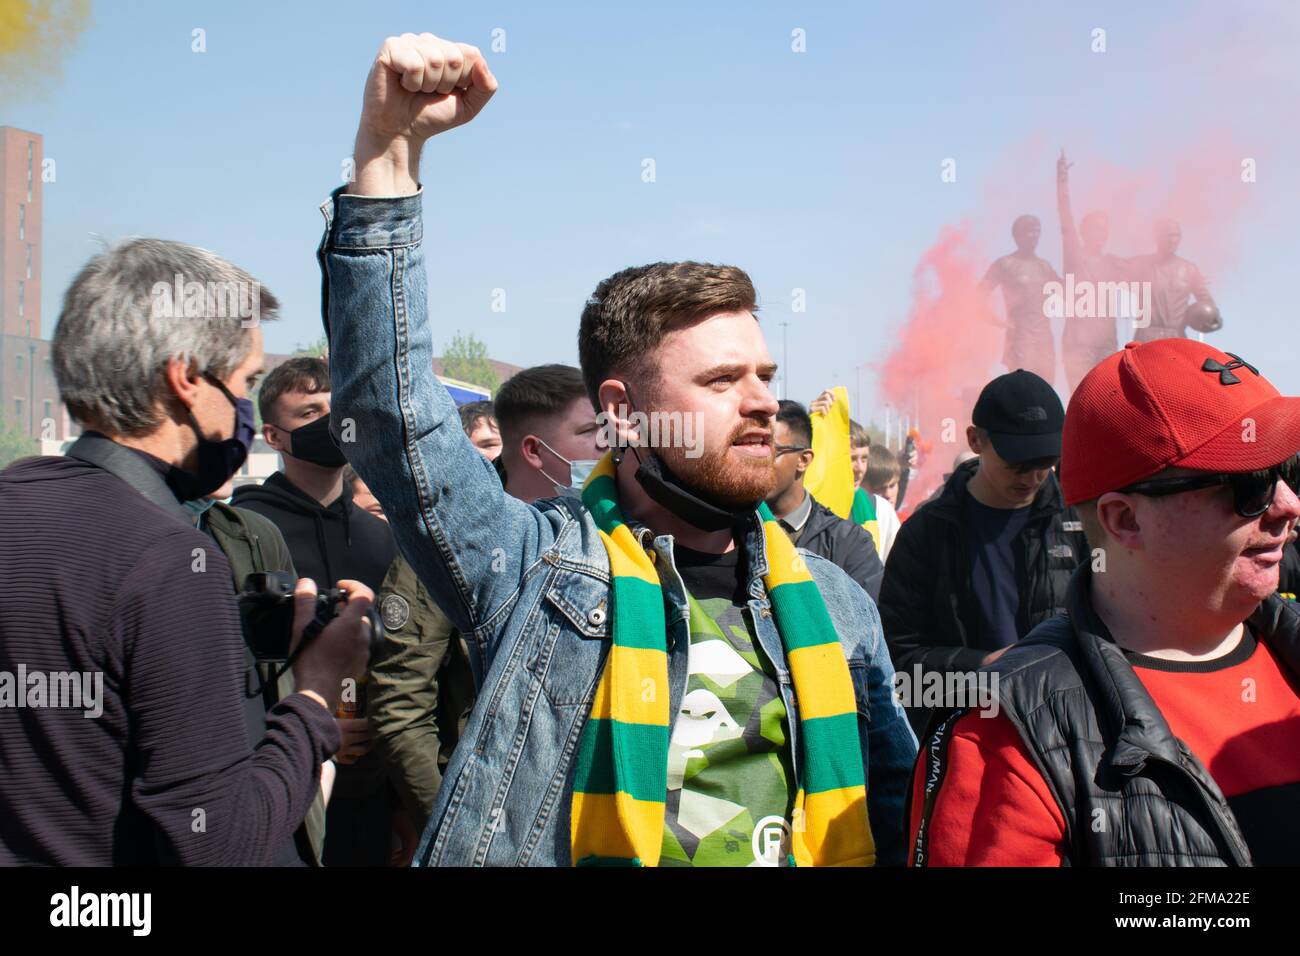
<point>114,584</point>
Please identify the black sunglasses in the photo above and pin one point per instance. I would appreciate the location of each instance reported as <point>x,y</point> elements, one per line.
<point>1252,491</point>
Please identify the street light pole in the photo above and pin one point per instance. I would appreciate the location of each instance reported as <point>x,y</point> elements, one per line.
<point>785,360</point>
<point>31,382</point>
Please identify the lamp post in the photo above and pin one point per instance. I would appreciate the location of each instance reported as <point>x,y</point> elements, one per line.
<point>31,382</point>
<point>785,360</point>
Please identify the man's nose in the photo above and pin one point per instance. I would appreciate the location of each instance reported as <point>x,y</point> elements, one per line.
<point>760,400</point>
<point>1285,502</point>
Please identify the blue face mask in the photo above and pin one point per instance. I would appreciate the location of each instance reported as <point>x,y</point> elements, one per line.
<point>217,460</point>
<point>579,471</point>
<point>198,507</point>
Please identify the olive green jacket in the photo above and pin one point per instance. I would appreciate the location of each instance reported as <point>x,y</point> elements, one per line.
<point>251,543</point>
<point>420,692</point>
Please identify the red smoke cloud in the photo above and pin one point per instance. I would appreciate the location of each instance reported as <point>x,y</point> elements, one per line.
<point>949,345</point>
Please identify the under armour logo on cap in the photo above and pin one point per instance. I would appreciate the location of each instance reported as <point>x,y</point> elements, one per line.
<point>1226,377</point>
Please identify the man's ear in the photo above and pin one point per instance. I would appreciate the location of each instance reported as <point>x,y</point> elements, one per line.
<point>182,378</point>
<point>269,435</point>
<point>530,451</point>
<point>617,409</point>
<point>973,440</point>
<point>805,460</point>
<point>1119,519</point>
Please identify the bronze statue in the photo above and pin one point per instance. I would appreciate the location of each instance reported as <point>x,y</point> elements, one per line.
<point>1023,276</point>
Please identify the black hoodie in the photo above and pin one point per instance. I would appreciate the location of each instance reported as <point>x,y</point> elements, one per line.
<point>328,544</point>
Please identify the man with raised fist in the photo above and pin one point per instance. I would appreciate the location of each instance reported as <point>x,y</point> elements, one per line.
<point>665,679</point>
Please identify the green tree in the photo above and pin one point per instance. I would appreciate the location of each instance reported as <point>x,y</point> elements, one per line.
<point>319,348</point>
<point>466,358</point>
<point>14,444</point>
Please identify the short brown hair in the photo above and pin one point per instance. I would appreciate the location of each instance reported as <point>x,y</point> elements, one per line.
<point>859,437</point>
<point>882,468</point>
<point>302,373</point>
<point>471,413</point>
<point>630,313</point>
<point>542,391</point>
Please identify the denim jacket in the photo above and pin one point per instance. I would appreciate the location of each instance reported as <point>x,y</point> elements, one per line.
<point>528,585</point>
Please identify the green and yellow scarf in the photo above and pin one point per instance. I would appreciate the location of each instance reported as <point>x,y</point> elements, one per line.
<point>622,774</point>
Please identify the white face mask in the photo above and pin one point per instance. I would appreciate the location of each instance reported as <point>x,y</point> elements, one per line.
<point>579,471</point>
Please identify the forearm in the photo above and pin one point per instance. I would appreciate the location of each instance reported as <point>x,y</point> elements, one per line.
<point>1201,292</point>
<point>1063,209</point>
<point>389,168</point>
<point>239,815</point>
<point>399,428</point>
<point>403,714</point>
<point>212,798</point>
<point>411,754</point>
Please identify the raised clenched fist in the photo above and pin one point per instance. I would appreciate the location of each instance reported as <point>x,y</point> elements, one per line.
<point>422,85</point>
<point>419,86</point>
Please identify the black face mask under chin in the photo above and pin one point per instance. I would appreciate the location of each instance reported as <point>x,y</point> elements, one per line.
<point>674,495</point>
<point>667,490</point>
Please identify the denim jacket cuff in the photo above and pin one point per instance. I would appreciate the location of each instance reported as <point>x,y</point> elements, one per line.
<point>372,222</point>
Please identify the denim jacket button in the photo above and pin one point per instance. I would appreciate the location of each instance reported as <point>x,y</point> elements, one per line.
<point>596,616</point>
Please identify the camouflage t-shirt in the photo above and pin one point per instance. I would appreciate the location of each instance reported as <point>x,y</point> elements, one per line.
<point>730,781</point>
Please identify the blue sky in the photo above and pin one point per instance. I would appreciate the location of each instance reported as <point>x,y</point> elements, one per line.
<point>815,170</point>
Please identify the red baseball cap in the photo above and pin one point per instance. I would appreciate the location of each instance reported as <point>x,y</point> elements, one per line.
<point>1167,403</point>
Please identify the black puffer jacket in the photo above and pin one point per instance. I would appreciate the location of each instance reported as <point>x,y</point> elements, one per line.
<point>926,602</point>
<point>1288,578</point>
<point>1131,792</point>
<point>846,544</point>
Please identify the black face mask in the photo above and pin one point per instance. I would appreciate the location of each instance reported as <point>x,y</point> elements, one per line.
<point>670,492</point>
<point>217,460</point>
<point>687,503</point>
<point>313,443</point>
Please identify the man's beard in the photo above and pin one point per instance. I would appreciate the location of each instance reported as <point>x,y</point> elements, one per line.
<point>726,482</point>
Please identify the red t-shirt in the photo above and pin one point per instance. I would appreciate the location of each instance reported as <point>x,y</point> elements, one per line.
<point>1239,714</point>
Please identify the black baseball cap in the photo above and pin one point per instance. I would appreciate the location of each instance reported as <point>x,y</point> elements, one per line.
<point>1023,416</point>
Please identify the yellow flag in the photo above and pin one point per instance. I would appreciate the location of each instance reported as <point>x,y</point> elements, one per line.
<point>830,476</point>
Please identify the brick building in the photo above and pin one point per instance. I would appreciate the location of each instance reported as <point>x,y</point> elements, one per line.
<point>29,398</point>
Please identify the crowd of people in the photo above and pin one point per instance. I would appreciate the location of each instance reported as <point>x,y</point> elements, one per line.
<point>521,632</point>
